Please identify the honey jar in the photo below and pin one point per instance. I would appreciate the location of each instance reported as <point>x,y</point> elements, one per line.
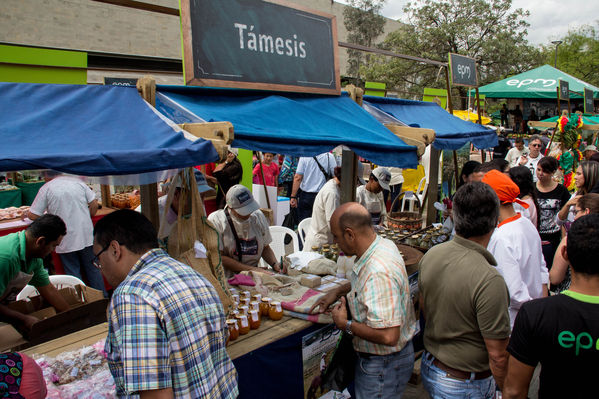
<point>235,298</point>
<point>244,309</point>
<point>255,305</point>
<point>264,306</point>
<point>233,329</point>
<point>275,311</point>
<point>245,294</point>
<point>244,302</point>
<point>254,319</point>
<point>256,297</point>
<point>244,325</point>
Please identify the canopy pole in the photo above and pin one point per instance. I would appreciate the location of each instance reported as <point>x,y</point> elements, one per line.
<point>349,169</point>
<point>483,155</point>
<point>146,86</point>
<point>455,154</point>
<point>433,186</point>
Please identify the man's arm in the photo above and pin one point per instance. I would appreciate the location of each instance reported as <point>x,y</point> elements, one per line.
<point>518,379</point>
<point>327,300</point>
<point>20,321</point>
<point>384,336</point>
<point>93,207</point>
<point>297,181</point>
<point>498,358</point>
<point>51,294</point>
<point>269,257</point>
<point>166,393</point>
<point>236,266</point>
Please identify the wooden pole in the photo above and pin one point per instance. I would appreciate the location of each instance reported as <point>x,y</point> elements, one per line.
<point>263,180</point>
<point>149,192</point>
<point>455,154</point>
<point>433,186</point>
<point>349,169</point>
<point>559,111</point>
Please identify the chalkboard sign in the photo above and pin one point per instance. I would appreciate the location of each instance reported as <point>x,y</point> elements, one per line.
<point>589,102</point>
<point>463,70</point>
<point>260,45</point>
<point>564,90</point>
<point>120,82</point>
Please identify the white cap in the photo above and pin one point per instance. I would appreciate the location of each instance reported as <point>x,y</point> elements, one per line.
<point>383,176</point>
<point>240,199</point>
<point>233,151</point>
<point>590,148</point>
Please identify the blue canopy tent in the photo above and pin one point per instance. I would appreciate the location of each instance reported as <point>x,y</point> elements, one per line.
<point>288,123</point>
<point>451,133</point>
<point>90,131</point>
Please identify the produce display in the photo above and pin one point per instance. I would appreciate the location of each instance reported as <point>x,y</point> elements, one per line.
<point>6,186</point>
<point>13,212</point>
<point>125,200</point>
<point>78,374</point>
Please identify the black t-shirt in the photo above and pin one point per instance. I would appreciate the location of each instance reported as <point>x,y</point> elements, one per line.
<point>562,334</point>
<point>550,204</point>
<point>502,148</point>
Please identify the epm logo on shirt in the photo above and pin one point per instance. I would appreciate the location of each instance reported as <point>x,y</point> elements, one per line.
<point>567,340</point>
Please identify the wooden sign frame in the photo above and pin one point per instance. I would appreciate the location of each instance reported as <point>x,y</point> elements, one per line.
<point>188,57</point>
<point>454,57</point>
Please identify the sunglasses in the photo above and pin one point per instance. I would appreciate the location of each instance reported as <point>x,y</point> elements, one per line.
<point>96,260</point>
<point>535,145</point>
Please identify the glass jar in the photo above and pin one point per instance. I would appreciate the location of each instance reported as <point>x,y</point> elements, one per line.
<point>235,298</point>
<point>256,297</point>
<point>233,329</point>
<point>245,295</point>
<point>254,305</point>
<point>244,302</point>
<point>275,311</point>
<point>244,324</point>
<point>264,306</point>
<point>254,319</point>
<point>244,309</point>
<point>315,249</point>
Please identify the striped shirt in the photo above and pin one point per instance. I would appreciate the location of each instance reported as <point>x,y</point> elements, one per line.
<point>380,296</point>
<point>167,329</point>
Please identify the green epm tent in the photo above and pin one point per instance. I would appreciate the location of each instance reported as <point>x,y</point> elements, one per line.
<point>541,82</point>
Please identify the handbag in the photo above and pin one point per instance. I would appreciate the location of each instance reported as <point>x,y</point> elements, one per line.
<point>340,371</point>
<point>290,221</point>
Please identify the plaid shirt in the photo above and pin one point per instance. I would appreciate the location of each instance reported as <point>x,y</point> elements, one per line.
<point>167,329</point>
<point>380,296</point>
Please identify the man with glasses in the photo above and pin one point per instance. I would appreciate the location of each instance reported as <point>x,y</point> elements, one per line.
<point>167,331</point>
<point>532,159</point>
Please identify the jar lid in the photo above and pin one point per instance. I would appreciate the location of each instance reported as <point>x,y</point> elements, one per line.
<point>265,299</point>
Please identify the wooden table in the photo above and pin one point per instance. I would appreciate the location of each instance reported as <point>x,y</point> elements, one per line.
<point>268,332</point>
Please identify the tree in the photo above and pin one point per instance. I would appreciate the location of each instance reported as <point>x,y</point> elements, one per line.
<point>483,29</point>
<point>578,53</point>
<point>364,24</point>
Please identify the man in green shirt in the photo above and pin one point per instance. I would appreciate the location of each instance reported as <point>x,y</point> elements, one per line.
<point>21,263</point>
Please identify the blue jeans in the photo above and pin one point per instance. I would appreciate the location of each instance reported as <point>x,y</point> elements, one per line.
<point>384,376</point>
<point>440,386</point>
<point>77,261</point>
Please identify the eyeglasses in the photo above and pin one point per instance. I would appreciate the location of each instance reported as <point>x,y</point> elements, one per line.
<point>96,259</point>
<point>535,145</point>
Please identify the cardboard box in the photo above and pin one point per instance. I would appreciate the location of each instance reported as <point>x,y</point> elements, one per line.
<point>88,308</point>
<point>310,280</point>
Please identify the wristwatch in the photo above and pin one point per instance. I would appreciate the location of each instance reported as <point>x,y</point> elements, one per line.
<point>348,328</point>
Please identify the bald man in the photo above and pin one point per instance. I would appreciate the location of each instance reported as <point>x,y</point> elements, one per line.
<point>381,314</point>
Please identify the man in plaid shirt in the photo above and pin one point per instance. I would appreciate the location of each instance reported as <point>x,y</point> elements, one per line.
<point>383,321</point>
<point>167,331</point>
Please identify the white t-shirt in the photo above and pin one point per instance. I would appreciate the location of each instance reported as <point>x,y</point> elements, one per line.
<point>514,154</point>
<point>516,245</point>
<point>253,233</point>
<point>313,178</point>
<point>325,203</point>
<point>374,203</point>
<point>532,165</point>
<point>69,198</point>
<point>396,176</point>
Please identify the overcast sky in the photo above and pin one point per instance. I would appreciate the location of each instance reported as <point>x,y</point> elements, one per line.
<point>549,19</point>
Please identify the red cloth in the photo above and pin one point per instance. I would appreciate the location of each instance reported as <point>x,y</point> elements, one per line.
<point>33,385</point>
<point>504,187</point>
<point>270,174</point>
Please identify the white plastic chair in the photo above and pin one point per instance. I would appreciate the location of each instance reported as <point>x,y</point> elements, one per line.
<point>277,245</point>
<point>302,229</point>
<point>58,280</point>
<point>420,192</point>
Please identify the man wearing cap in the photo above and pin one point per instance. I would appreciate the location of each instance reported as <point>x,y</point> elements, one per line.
<point>516,246</point>
<point>310,176</point>
<point>589,151</point>
<point>370,195</point>
<point>226,174</point>
<point>244,233</point>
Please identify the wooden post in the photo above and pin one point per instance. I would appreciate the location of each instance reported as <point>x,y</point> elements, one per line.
<point>433,186</point>
<point>146,86</point>
<point>105,191</point>
<point>450,106</point>
<point>349,169</point>
<point>559,111</point>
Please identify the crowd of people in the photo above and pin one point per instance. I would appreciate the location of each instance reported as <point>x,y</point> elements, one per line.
<point>486,313</point>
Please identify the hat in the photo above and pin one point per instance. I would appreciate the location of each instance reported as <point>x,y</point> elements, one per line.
<point>200,181</point>
<point>383,176</point>
<point>233,150</point>
<point>240,199</point>
<point>590,148</point>
<point>361,173</point>
<point>507,191</point>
